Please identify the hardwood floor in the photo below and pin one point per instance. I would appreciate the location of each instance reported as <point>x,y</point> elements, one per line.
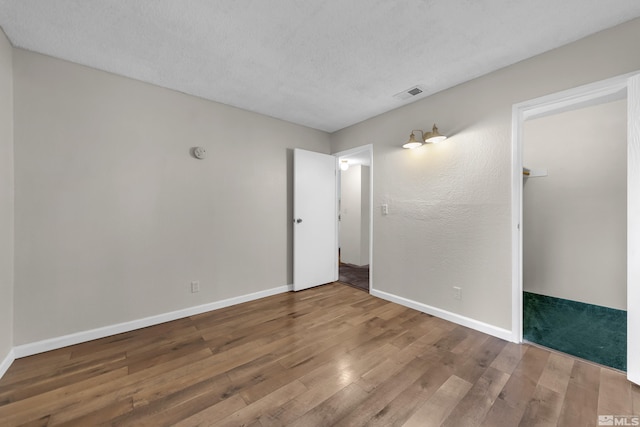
<point>331,355</point>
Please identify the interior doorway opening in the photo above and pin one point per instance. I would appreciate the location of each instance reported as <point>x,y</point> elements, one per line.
<point>355,217</point>
<point>574,232</point>
<point>590,94</point>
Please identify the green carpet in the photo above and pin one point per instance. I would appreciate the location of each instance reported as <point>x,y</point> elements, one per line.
<point>591,332</point>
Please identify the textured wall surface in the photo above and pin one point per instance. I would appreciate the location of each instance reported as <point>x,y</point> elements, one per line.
<point>6,196</point>
<point>115,218</point>
<point>450,204</point>
<point>575,219</point>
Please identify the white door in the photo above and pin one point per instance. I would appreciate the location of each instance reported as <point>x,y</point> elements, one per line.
<point>315,223</point>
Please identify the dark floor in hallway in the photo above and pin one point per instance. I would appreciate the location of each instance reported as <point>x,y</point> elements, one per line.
<point>356,276</point>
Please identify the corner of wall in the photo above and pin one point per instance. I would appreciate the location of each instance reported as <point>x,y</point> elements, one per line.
<point>7,185</point>
<point>5,364</point>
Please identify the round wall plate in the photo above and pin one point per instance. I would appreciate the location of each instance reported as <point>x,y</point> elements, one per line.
<point>200,152</point>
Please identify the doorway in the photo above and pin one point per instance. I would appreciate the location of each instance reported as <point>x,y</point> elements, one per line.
<point>592,94</point>
<point>354,206</point>
<point>574,232</point>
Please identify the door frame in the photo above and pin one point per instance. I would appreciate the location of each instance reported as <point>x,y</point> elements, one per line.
<point>358,150</point>
<point>590,94</point>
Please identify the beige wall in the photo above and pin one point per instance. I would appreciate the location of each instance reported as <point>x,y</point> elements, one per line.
<point>365,215</point>
<point>6,197</point>
<point>574,219</point>
<point>449,221</point>
<point>354,214</point>
<point>115,218</point>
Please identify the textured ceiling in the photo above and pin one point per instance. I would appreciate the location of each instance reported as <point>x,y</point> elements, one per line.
<point>325,64</point>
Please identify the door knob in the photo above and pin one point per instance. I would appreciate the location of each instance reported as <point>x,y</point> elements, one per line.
<point>298,221</point>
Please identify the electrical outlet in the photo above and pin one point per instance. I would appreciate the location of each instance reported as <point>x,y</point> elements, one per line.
<point>457,292</point>
<point>385,209</point>
<point>195,286</point>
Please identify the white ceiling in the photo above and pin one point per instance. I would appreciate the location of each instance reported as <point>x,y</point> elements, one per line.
<point>326,64</point>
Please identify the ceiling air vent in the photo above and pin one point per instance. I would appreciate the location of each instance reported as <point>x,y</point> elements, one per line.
<point>409,93</point>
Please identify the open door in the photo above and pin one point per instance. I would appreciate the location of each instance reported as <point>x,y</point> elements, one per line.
<point>315,222</point>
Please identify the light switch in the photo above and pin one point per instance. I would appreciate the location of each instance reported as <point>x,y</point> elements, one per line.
<point>385,209</point>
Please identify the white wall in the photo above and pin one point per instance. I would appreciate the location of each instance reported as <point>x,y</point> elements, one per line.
<point>449,222</point>
<point>354,214</point>
<point>115,218</point>
<point>6,197</point>
<point>365,214</point>
<point>574,219</point>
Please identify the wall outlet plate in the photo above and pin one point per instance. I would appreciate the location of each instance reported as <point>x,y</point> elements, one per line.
<point>195,286</point>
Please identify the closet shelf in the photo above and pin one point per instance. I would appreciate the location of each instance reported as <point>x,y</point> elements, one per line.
<point>533,173</point>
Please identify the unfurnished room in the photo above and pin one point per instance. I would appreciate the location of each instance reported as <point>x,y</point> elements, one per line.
<point>320,213</point>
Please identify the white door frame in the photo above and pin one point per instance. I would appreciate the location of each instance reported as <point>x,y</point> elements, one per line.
<point>369,150</point>
<point>591,94</point>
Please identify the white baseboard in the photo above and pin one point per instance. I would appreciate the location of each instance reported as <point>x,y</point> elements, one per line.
<point>504,334</point>
<point>92,334</point>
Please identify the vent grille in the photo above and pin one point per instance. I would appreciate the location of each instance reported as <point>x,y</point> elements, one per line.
<point>409,93</point>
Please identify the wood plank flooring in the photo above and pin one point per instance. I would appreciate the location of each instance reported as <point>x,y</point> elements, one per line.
<point>328,356</point>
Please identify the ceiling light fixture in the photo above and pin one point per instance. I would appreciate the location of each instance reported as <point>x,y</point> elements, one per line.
<point>344,164</point>
<point>432,137</point>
